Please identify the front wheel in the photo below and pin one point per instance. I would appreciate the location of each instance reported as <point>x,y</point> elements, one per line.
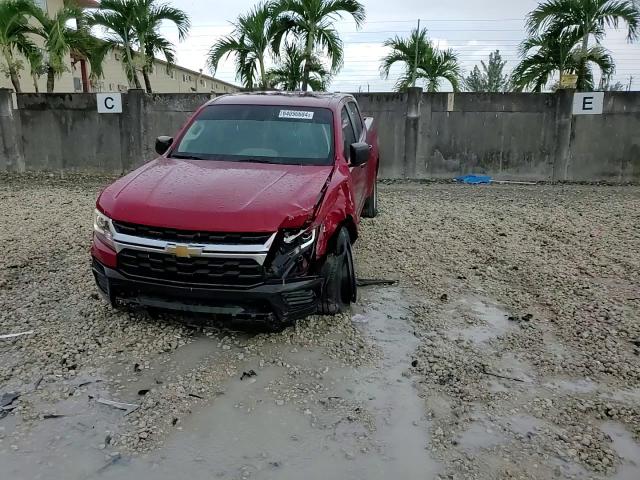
<point>339,288</point>
<point>370,209</point>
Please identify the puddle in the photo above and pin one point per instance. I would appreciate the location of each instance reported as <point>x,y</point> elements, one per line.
<point>376,430</point>
<point>573,385</point>
<point>486,433</point>
<point>511,366</point>
<point>247,434</point>
<point>178,362</point>
<point>630,396</point>
<point>480,435</point>
<point>495,320</point>
<point>524,425</point>
<point>627,448</point>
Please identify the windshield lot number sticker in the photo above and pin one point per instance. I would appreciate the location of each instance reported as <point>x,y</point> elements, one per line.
<point>297,114</point>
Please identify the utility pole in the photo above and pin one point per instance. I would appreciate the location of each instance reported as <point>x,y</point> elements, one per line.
<point>415,63</point>
<point>630,82</point>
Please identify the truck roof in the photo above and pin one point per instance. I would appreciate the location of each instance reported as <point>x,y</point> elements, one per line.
<point>302,99</point>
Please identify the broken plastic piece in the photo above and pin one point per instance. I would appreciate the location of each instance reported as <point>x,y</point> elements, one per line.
<point>367,282</point>
<point>13,335</point>
<point>127,407</point>
<point>8,398</point>
<point>249,374</point>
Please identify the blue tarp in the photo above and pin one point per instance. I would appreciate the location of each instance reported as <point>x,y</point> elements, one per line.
<point>473,179</point>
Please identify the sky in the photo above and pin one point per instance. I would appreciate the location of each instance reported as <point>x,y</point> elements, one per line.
<point>472,28</point>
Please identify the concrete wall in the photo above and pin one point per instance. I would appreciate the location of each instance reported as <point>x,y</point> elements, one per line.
<point>516,136</point>
<point>64,132</point>
<point>508,136</point>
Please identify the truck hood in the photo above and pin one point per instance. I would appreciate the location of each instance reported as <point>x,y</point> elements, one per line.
<point>216,196</point>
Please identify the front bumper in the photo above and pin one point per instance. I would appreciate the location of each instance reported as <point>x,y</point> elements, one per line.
<point>264,302</point>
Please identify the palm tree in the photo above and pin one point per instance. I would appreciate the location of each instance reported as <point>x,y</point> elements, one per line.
<point>37,67</point>
<point>117,17</point>
<point>14,37</point>
<point>133,25</point>
<point>60,39</point>
<point>311,21</point>
<point>584,18</point>
<point>432,63</point>
<point>94,50</point>
<point>149,16</point>
<point>249,43</point>
<point>548,54</point>
<point>289,73</point>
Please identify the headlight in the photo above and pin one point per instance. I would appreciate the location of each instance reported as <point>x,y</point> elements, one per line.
<point>102,227</point>
<point>302,239</point>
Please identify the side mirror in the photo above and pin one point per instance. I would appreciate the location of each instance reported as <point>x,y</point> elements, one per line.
<point>359,153</point>
<point>163,143</point>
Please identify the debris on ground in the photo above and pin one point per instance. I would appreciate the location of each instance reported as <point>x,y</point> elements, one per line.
<point>249,374</point>
<point>370,282</point>
<point>127,407</point>
<point>14,335</point>
<point>8,398</point>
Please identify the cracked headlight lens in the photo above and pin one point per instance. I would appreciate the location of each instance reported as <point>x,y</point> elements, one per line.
<point>102,227</point>
<point>302,239</point>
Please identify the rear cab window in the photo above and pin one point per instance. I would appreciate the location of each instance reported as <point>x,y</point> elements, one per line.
<point>260,133</point>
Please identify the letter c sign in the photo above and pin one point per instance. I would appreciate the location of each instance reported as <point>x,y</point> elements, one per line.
<point>109,102</point>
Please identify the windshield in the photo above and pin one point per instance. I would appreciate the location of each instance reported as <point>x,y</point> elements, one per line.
<point>260,133</point>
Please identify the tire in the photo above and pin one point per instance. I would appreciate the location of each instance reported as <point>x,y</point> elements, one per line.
<point>370,209</point>
<point>339,287</point>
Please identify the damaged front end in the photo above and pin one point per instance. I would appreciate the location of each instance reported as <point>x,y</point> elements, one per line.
<point>274,281</point>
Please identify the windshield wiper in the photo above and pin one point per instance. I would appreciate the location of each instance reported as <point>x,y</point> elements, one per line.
<point>186,157</point>
<point>255,160</point>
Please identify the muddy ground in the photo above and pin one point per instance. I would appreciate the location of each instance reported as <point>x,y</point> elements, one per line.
<point>508,349</point>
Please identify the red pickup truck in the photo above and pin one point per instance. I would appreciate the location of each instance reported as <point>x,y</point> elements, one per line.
<point>250,211</point>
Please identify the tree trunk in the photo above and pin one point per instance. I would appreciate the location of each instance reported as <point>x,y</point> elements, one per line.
<point>35,83</point>
<point>13,72</point>
<point>51,79</point>
<point>147,82</point>
<point>582,69</point>
<point>133,73</point>
<point>307,61</point>
<point>15,80</point>
<point>263,77</point>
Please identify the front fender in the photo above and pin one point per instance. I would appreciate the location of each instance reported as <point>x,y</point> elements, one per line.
<point>337,206</point>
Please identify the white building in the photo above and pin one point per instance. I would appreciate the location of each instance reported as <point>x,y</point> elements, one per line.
<point>76,77</point>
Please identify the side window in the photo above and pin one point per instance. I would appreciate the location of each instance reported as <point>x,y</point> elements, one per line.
<point>357,119</point>
<point>347,132</point>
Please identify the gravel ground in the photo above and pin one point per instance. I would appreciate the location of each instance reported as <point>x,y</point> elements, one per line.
<point>522,302</point>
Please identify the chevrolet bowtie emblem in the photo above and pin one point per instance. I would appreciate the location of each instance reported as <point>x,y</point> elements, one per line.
<point>183,251</point>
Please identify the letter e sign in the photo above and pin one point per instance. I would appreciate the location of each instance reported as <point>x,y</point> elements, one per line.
<point>109,102</point>
<point>588,103</point>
